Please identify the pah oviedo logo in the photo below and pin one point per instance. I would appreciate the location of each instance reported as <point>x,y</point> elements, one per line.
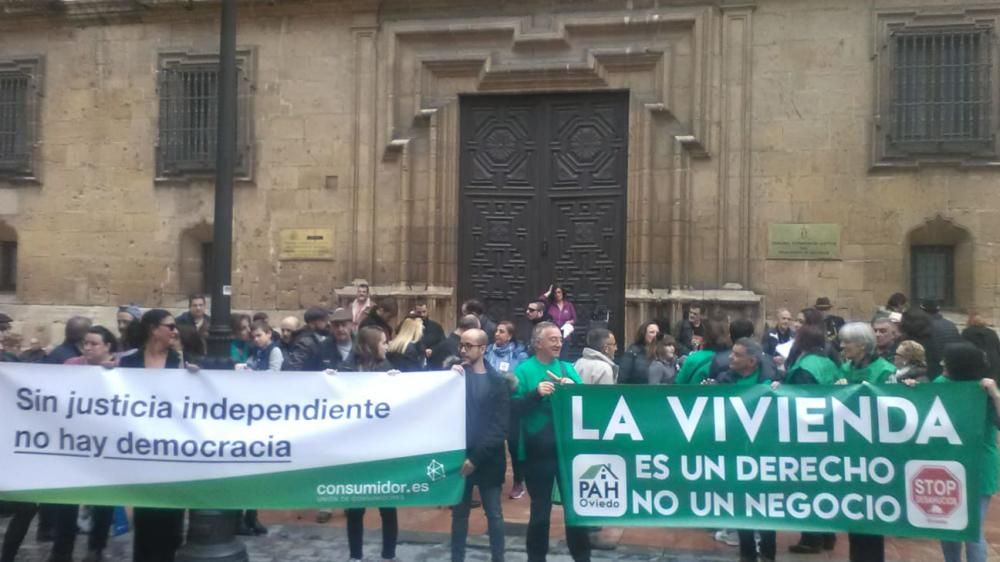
<point>600,488</point>
<point>936,495</point>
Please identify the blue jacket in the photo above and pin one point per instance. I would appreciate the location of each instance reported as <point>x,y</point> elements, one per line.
<point>511,353</point>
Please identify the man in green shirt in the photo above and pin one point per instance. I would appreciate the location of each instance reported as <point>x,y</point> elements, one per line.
<point>537,379</point>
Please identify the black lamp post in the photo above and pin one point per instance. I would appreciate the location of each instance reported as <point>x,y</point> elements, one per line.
<point>212,533</point>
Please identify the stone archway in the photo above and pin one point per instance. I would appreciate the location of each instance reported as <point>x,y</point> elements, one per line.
<point>941,243</point>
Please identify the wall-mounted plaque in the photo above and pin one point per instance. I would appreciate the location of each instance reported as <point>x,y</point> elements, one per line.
<point>803,242</point>
<point>306,244</point>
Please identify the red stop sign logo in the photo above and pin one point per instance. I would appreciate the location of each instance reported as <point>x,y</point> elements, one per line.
<point>936,491</point>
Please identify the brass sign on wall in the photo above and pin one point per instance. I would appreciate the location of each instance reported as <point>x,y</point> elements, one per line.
<point>306,244</point>
<point>803,242</point>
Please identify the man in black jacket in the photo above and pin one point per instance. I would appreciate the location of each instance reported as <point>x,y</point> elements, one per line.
<point>72,346</point>
<point>307,347</point>
<point>487,411</point>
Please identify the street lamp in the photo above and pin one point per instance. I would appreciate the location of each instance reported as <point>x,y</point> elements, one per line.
<point>212,533</point>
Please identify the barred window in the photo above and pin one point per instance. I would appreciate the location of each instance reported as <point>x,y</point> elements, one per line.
<point>18,110</point>
<point>933,273</point>
<point>189,89</point>
<point>8,266</point>
<point>941,95</point>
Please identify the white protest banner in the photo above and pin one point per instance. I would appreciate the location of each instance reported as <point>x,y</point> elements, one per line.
<point>230,439</point>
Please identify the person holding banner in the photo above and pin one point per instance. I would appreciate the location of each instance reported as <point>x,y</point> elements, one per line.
<point>966,362</point>
<point>158,531</point>
<point>861,363</point>
<point>487,413</point>
<point>370,356</point>
<point>537,379</point>
<point>745,369</point>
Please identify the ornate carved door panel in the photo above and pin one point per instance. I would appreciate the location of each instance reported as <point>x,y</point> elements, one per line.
<point>542,200</point>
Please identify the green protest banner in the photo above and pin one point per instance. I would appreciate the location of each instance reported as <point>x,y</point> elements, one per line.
<point>889,460</point>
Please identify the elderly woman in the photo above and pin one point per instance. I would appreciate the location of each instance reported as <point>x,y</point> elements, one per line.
<point>861,364</point>
<point>911,363</point>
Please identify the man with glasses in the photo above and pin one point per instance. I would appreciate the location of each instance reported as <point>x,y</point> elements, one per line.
<point>487,410</point>
<point>534,314</point>
<point>537,379</point>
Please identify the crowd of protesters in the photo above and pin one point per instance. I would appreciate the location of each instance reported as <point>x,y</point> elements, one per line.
<point>510,369</point>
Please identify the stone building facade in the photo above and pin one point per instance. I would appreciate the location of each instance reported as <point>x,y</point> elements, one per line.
<point>734,116</point>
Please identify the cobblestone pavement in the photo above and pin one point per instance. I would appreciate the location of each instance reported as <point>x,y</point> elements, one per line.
<point>329,544</point>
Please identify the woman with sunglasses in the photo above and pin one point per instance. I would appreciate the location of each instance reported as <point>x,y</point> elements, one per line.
<point>158,531</point>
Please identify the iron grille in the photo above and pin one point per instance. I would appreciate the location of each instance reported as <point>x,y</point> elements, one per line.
<point>17,122</point>
<point>933,273</point>
<point>941,95</point>
<point>8,266</point>
<point>189,120</point>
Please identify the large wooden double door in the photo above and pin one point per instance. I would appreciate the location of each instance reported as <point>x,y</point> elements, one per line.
<point>542,201</point>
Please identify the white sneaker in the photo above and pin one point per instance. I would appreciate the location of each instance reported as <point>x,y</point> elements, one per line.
<point>727,537</point>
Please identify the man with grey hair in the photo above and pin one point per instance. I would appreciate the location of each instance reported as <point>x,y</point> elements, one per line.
<point>744,364</point>
<point>861,363</point>
<point>597,365</point>
<point>537,378</point>
<point>886,337</point>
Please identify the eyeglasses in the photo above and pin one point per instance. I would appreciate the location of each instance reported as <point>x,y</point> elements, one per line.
<point>171,327</point>
<point>469,345</point>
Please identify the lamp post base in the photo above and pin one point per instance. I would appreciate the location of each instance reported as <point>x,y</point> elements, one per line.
<point>212,537</point>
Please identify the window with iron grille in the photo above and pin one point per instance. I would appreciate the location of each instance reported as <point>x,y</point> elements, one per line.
<point>19,90</point>
<point>933,273</point>
<point>189,89</point>
<point>941,91</point>
<point>8,266</point>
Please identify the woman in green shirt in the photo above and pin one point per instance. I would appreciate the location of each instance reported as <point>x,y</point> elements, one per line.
<point>965,362</point>
<point>861,364</point>
<point>813,366</point>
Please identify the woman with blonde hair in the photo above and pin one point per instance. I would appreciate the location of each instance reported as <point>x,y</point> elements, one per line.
<point>911,363</point>
<point>405,351</point>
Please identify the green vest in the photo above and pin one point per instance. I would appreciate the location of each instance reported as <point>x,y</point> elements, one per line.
<point>876,372</point>
<point>696,367</point>
<point>820,367</point>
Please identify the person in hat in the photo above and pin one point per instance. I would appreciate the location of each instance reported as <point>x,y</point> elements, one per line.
<point>307,347</point>
<point>831,322</point>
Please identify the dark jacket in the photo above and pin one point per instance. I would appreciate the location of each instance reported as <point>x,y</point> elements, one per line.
<point>351,365</point>
<point>986,339</point>
<point>138,360</point>
<point>775,337</point>
<point>433,334</point>
<point>732,377</point>
<point>720,365</point>
<point>311,351</point>
<point>524,329</point>
<point>412,358</point>
<point>634,366</point>
<point>61,353</point>
<point>373,319</point>
<point>943,333</point>
<point>685,336</point>
<point>448,347</point>
<point>185,318</point>
<point>486,426</point>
